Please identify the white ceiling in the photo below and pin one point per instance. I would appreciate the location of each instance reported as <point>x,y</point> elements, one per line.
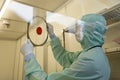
<point>49,5</point>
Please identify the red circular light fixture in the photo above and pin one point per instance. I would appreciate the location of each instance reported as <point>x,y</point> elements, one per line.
<point>39,30</point>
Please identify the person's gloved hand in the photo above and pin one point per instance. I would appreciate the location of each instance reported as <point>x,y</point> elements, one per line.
<point>73,28</point>
<point>50,30</point>
<point>27,48</point>
<point>80,23</point>
<point>70,29</point>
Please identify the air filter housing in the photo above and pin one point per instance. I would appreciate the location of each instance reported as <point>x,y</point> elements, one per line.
<point>112,14</point>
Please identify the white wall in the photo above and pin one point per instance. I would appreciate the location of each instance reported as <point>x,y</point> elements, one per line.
<point>112,34</point>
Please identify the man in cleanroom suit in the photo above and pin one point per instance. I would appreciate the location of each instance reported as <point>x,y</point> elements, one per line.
<point>89,64</point>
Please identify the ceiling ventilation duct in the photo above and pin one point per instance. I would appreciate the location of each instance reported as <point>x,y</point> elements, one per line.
<point>112,14</point>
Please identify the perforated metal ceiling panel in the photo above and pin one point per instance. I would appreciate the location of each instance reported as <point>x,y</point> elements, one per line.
<point>112,15</point>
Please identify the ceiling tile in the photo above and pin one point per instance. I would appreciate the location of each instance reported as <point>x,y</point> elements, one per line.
<point>49,5</point>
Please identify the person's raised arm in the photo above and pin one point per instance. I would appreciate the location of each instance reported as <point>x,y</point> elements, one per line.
<point>65,58</point>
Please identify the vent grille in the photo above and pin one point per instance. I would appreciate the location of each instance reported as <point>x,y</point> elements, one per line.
<point>112,15</point>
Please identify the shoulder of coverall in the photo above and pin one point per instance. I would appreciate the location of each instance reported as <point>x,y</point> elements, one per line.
<point>94,30</point>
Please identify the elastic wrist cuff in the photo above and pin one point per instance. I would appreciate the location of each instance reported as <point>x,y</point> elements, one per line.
<point>52,36</point>
<point>28,57</point>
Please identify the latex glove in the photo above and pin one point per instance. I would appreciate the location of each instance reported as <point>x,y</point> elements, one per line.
<point>27,48</point>
<point>70,29</point>
<point>73,27</point>
<point>80,23</point>
<point>50,30</point>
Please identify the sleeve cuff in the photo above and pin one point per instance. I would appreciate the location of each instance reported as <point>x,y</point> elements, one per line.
<point>28,57</point>
<point>52,36</point>
<point>55,41</point>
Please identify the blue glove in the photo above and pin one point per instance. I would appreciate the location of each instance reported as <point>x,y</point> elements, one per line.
<point>27,50</point>
<point>50,31</point>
